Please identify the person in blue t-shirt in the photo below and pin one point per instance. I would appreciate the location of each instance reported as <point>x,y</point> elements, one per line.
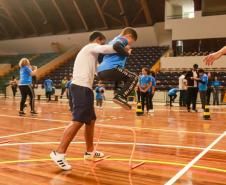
<point>173,95</point>
<point>48,85</point>
<point>99,95</point>
<point>144,86</point>
<point>151,91</point>
<point>112,67</point>
<point>68,92</point>
<point>25,85</point>
<point>216,84</point>
<point>203,81</point>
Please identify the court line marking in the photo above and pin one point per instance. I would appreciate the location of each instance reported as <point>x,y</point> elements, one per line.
<point>115,143</point>
<point>120,159</point>
<point>32,132</point>
<point>44,130</point>
<point>102,120</point>
<point>195,160</point>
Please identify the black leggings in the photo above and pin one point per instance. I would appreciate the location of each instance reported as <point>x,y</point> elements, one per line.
<point>172,98</point>
<point>117,75</point>
<point>138,95</point>
<point>192,93</point>
<point>27,90</point>
<point>144,100</point>
<point>150,100</point>
<point>14,89</point>
<point>48,95</point>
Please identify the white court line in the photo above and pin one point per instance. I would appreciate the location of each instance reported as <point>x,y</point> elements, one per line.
<point>115,143</point>
<point>32,132</point>
<point>102,120</point>
<point>195,160</point>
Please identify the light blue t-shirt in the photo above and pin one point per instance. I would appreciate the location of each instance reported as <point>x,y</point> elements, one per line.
<point>68,84</point>
<point>144,81</point>
<point>203,83</point>
<point>114,60</point>
<point>153,83</point>
<point>216,84</point>
<point>48,84</point>
<point>99,93</point>
<point>25,77</point>
<point>173,92</point>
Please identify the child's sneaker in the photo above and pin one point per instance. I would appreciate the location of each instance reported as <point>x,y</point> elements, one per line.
<point>93,155</point>
<point>34,113</point>
<point>151,111</point>
<point>21,113</point>
<point>122,102</point>
<point>60,160</point>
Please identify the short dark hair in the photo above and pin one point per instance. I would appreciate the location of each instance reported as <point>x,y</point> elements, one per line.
<point>196,66</point>
<point>200,71</point>
<point>184,72</point>
<point>146,69</point>
<point>131,31</point>
<point>96,35</point>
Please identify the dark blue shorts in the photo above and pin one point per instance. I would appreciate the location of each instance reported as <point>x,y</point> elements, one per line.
<point>83,104</point>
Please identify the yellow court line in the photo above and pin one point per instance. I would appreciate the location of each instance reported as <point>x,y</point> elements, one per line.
<point>122,159</point>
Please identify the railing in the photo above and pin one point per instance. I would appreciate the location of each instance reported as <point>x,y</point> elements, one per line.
<point>187,15</point>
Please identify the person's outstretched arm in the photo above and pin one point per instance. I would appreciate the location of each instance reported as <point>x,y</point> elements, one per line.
<point>214,56</point>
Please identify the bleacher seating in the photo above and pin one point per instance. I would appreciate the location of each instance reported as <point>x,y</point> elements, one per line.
<point>144,57</point>
<point>58,74</point>
<point>13,59</point>
<point>141,57</point>
<point>201,53</point>
<point>36,60</point>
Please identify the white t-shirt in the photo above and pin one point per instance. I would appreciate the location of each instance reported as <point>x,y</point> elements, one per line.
<point>195,75</point>
<point>182,82</point>
<point>86,63</point>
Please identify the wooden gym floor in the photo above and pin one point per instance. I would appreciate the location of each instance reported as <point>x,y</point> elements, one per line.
<point>169,142</point>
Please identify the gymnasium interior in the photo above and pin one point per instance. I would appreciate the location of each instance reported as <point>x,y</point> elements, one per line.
<point>167,146</point>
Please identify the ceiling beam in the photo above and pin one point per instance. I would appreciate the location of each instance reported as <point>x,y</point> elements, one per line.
<point>20,7</point>
<point>122,10</point>
<point>101,13</point>
<point>113,18</point>
<point>61,15</point>
<point>11,18</point>
<point>136,16</point>
<point>144,5</point>
<point>104,4</point>
<point>45,19</point>
<point>6,33</point>
<point>80,15</point>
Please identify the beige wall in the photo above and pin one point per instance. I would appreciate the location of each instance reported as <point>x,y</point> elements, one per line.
<point>147,36</point>
<point>199,27</point>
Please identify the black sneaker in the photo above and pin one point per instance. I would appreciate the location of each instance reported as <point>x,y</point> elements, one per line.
<point>21,113</point>
<point>33,113</point>
<point>122,102</point>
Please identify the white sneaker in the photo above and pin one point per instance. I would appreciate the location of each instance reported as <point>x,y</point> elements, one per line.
<point>93,155</point>
<point>151,111</point>
<point>60,160</point>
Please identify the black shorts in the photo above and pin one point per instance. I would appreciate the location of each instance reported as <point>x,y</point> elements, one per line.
<point>83,104</point>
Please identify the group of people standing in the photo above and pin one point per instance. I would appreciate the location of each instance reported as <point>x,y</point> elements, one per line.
<point>193,82</point>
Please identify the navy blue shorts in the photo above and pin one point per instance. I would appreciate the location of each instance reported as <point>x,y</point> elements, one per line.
<point>83,104</point>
